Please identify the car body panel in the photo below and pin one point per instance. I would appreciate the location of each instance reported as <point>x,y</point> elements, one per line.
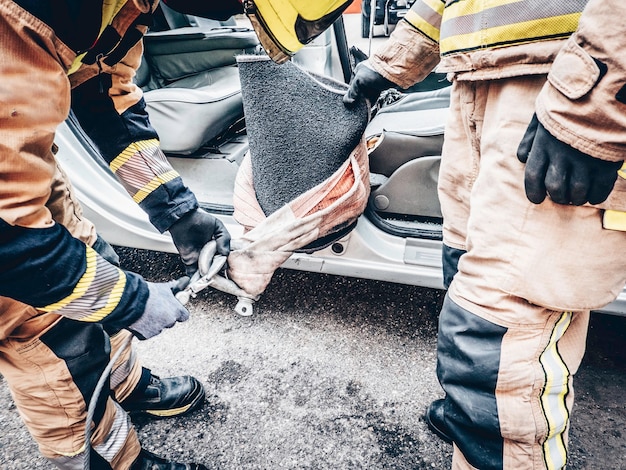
<point>366,252</point>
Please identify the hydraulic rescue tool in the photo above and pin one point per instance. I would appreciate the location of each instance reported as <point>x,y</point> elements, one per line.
<point>207,275</point>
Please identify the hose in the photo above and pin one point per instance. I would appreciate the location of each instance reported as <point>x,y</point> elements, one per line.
<point>94,400</point>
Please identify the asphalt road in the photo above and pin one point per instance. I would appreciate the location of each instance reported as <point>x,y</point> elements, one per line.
<point>330,373</point>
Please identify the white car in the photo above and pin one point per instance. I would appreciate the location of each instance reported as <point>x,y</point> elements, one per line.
<point>199,116</point>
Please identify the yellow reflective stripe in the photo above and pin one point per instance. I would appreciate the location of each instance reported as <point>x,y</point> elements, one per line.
<point>157,181</point>
<point>422,25</point>
<point>114,298</point>
<point>131,150</point>
<point>78,61</point>
<point>614,220</point>
<point>280,18</point>
<point>557,26</point>
<point>71,454</point>
<point>553,396</point>
<point>81,287</point>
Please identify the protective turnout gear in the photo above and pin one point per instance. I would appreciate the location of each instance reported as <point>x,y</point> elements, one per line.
<point>45,266</point>
<point>478,42</point>
<point>565,174</point>
<point>162,310</point>
<point>111,110</point>
<point>366,83</point>
<point>512,329</point>
<point>80,350</point>
<point>501,22</point>
<point>284,27</point>
<point>195,230</point>
<point>510,276</point>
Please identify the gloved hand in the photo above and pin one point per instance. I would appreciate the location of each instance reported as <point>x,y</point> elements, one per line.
<point>565,174</point>
<point>162,310</point>
<point>366,83</point>
<point>194,230</point>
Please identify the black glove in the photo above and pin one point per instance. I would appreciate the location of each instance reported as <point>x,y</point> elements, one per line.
<point>366,83</point>
<point>162,310</point>
<point>565,174</point>
<point>194,230</point>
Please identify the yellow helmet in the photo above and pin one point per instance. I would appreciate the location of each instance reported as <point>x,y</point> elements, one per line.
<point>285,26</point>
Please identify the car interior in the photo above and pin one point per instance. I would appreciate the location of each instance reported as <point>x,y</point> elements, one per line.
<point>192,91</point>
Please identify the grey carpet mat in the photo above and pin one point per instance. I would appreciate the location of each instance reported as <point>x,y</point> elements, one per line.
<point>299,130</point>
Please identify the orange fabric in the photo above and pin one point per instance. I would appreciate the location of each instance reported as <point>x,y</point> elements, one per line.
<point>26,126</point>
<point>525,264</point>
<point>269,241</point>
<point>512,242</point>
<point>34,100</point>
<point>341,188</point>
<point>123,91</point>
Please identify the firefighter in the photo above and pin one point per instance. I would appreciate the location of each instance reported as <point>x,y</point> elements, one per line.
<point>66,306</point>
<point>531,230</point>
<point>55,269</point>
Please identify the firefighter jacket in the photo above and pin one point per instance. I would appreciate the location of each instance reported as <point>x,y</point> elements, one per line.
<point>578,43</point>
<point>477,40</point>
<point>42,264</point>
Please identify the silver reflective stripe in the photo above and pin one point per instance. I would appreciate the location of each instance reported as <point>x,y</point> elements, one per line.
<point>117,437</point>
<point>553,396</point>
<point>121,373</point>
<point>73,462</point>
<point>96,294</point>
<point>425,11</point>
<point>508,14</point>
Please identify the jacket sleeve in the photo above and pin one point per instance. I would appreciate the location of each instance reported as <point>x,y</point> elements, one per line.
<point>584,101</point>
<point>54,272</point>
<point>111,110</point>
<point>412,50</point>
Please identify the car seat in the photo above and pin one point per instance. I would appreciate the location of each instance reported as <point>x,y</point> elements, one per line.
<point>190,79</point>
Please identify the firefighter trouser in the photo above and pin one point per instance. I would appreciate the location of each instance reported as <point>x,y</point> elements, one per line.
<point>51,364</point>
<point>513,325</point>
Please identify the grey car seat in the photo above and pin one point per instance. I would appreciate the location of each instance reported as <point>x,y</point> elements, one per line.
<point>405,139</point>
<point>190,78</point>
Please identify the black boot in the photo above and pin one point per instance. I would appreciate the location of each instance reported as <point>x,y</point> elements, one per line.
<point>164,398</point>
<point>148,461</point>
<point>435,418</point>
